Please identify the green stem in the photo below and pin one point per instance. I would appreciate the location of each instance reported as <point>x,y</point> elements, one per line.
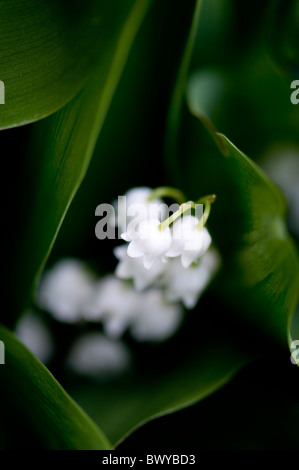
<point>210,198</point>
<point>186,206</point>
<point>206,200</point>
<point>167,191</point>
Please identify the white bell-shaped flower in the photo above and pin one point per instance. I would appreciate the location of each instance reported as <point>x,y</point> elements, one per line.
<point>115,303</point>
<point>148,241</point>
<point>64,289</point>
<point>135,205</point>
<point>94,355</point>
<point>133,268</point>
<point>157,319</point>
<point>187,284</point>
<point>190,241</point>
<point>33,333</point>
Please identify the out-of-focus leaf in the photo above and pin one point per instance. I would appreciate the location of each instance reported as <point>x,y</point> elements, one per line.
<point>70,138</point>
<point>284,36</point>
<point>27,386</point>
<point>48,51</point>
<point>231,95</point>
<point>176,104</point>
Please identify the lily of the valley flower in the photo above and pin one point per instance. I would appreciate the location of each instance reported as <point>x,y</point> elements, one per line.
<point>190,240</point>
<point>157,319</point>
<point>185,268</point>
<point>187,285</point>
<point>94,355</point>
<point>170,260</point>
<point>148,241</point>
<point>133,268</point>
<point>33,332</point>
<point>147,315</point>
<point>137,206</point>
<point>113,302</point>
<point>65,289</point>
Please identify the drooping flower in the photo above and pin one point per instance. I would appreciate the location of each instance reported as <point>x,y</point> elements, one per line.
<point>133,268</point>
<point>148,241</point>
<point>187,284</point>
<point>33,332</point>
<point>94,355</point>
<point>64,290</point>
<point>147,315</point>
<point>135,205</point>
<point>115,303</point>
<point>188,240</point>
<point>157,319</point>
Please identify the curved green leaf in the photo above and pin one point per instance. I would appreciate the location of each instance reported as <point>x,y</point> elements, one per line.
<point>48,50</point>
<point>260,259</point>
<point>26,385</point>
<point>260,262</point>
<point>69,139</point>
<point>264,269</point>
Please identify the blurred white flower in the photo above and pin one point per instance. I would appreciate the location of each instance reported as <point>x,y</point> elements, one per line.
<point>189,242</point>
<point>187,284</point>
<point>147,315</point>
<point>34,334</point>
<point>115,303</point>
<point>64,289</point>
<point>95,355</point>
<point>148,242</point>
<point>135,205</point>
<point>157,319</point>
<point>133,268</point>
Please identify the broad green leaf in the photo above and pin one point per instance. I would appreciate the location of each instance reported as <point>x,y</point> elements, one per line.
<point>48,51</point>
<point>248,225</point>
<point>260,272</point>
<point>70,138</point>
<point>28,387</point>
<point>264,270</point>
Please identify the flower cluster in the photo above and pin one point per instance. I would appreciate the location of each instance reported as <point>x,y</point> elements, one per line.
<point>72,294</point>
<point>164,263</point>
<point>174,254</point>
